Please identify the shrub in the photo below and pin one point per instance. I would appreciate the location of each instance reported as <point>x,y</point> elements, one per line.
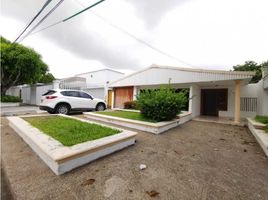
<point>131,105</point>
<point>262,119</point>
<point>161,105</point>
<point>8,98</point>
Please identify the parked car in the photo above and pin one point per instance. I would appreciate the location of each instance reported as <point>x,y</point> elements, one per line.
<point>65,101</point>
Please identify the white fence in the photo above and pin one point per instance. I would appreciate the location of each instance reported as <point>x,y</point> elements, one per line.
<point>30,94</point>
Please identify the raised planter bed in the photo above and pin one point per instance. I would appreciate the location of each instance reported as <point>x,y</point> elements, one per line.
<point>257,129</point>
<point>156,128</point>
<point>61,159</point>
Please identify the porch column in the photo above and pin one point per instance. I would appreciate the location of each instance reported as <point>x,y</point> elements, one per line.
<point>135,93</point>
<point>112,103</point>
<point>237,102</point>
<point>190,107</point>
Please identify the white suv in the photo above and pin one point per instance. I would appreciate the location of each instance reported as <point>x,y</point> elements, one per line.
<point>64,101</point>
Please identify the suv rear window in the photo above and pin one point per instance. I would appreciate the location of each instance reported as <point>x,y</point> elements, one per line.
<point>49,92</point>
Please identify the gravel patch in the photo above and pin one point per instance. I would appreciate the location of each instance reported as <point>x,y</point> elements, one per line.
<point>197,160</point>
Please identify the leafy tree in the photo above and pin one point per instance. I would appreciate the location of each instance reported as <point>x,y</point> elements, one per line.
<point>20,65</point>
<point>252,66</point>
<point>47,78</point>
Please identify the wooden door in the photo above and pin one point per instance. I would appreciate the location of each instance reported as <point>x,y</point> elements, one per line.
<point>122,95</point>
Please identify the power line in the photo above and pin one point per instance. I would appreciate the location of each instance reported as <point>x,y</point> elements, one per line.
<point>140,40</point>
<point>39,12</point>
<point>134,37</point>
<point>70,17</point>
<point>51,11</point>
<point>118,28</point>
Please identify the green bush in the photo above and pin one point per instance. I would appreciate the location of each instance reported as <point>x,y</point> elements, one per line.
<point>131,105</point>
<point>262,119</point>
<point>161,105</point>
<point>8,98</point>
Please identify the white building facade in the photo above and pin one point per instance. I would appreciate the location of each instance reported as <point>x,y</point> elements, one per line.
<point>96,82</point>
<point>212,92</point>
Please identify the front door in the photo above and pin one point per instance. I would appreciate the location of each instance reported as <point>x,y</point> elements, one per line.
<point>213,100</point>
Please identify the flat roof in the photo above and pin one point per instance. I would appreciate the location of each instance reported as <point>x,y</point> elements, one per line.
<point>206,71</point>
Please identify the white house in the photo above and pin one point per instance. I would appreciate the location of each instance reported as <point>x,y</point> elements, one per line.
<point>97,81</point>
<point>212,92</point>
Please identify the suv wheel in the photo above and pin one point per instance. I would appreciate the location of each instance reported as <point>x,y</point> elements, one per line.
<point>100,107</point>
<point>63,109</point>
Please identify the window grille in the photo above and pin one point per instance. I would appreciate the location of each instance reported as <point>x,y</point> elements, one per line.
<point>248,104</point>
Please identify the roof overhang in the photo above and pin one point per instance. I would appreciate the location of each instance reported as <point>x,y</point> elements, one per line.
<point>158,75</point>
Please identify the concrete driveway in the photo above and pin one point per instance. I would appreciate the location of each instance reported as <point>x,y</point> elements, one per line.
<point>197,160</point>
<point>20,110</point>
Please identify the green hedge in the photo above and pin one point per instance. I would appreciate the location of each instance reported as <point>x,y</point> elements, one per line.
<point>8,98</point>
<point>161,105</point>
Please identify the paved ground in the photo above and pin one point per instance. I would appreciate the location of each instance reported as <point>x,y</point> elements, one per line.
<point>195,161</point>
<point>19,110</point>
<point>5,190</point>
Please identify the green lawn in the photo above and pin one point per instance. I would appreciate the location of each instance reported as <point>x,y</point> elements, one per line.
<point>69,131</point>
<point>126,115</point>
<point>264,120</point>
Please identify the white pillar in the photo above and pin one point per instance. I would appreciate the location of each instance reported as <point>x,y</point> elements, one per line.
<point>112,106</point>
<point>56,84</point>
<point>106,92</point>
<point>135,93</point>
<point>190,108</point>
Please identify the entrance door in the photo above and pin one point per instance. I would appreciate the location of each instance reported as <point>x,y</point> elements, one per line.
<point>121,95</point>
<point>110,96</point>
<point>213,100</point>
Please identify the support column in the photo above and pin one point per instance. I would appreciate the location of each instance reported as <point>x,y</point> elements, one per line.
<point>237,101</point>
<point>113,96</point>
<point>190,107</point>
<point>56,84</point>
<point>134,93</point>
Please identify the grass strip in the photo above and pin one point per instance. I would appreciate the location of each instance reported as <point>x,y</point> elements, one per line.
<point>70,131</point>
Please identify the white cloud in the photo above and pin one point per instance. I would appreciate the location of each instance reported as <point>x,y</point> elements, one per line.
<point>205,33</point>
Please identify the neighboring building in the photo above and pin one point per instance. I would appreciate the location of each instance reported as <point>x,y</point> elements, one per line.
<point>212,92</point>
<point>97,81</point>
<point>94,82</point>
<point>75,83</point>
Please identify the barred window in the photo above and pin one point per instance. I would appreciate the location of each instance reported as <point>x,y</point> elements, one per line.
<point>248,104</point>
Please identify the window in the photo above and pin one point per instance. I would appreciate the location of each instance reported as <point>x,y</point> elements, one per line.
<point>49,92</point>
<point>248,104</point>
<point>85,95</point>
<point>70,93</point>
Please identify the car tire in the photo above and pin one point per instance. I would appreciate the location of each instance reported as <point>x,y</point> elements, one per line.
<point>63,109</point>
<point>100,107</point>
<point>51,112</point>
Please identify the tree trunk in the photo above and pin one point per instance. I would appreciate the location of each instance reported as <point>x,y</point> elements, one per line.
<point>4,90</point>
